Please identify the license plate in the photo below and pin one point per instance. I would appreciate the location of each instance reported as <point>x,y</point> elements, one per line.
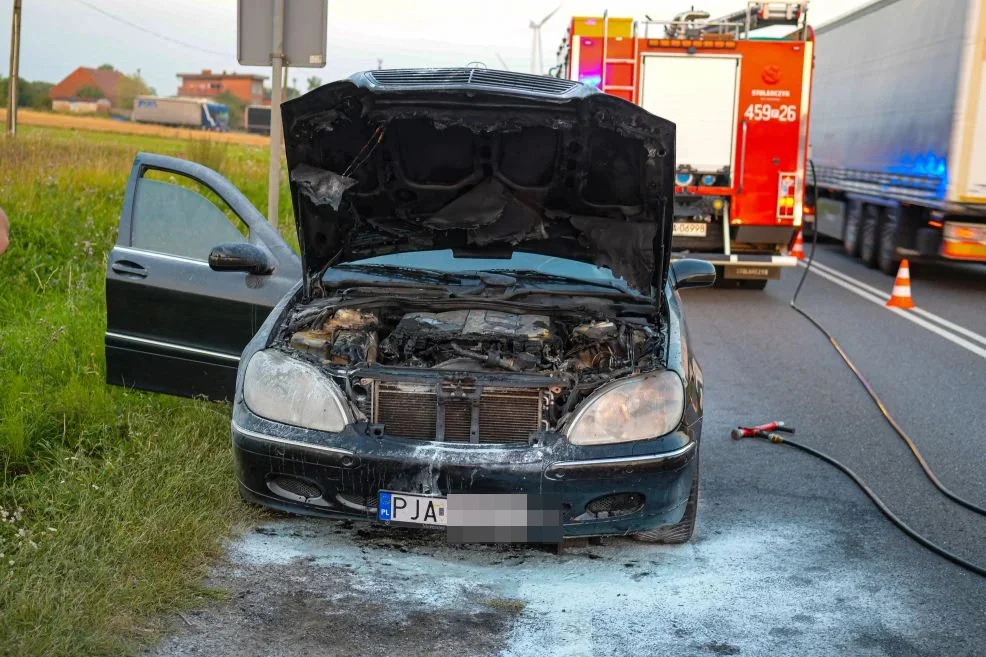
<point>688,229</point>
<point>407,509</point>
<point>752,272</point>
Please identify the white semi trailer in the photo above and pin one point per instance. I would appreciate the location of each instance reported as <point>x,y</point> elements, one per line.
<point>181,112</point>
<point>898,131</point>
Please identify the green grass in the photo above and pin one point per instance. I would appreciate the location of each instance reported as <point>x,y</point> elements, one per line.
<point>112,502</point>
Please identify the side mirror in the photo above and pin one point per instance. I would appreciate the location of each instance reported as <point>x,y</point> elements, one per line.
<point>689,272</point>
<point>240,256</point>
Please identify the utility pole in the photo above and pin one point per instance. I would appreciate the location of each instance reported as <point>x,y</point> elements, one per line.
<point>284,79</point>
<point>277,58</point>
<point>15,55</point>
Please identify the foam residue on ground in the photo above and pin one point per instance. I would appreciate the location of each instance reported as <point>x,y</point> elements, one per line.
<point>794,590</point>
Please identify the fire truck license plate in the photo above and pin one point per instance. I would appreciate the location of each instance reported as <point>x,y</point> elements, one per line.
<point>688,229</point>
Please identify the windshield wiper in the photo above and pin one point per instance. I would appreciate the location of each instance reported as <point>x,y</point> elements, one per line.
<point>529,275</point>
<point>408,273</point>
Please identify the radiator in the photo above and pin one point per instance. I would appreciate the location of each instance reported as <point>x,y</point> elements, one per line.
<point>468,414</point>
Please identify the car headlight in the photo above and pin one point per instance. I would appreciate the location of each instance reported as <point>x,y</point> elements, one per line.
<point>632,409</point>
<point>284,389</point>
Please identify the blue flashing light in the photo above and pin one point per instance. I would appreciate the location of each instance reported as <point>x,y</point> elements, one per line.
<point>683,178</point>
<point>591,80</point>
<point>924,165</point>
<point>708,180</point>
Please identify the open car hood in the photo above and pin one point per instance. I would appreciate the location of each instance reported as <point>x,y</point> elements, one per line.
<point>484,163</point>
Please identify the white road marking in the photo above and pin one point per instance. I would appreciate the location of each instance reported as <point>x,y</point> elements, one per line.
<point>879,298</point>
<point>952,326</point>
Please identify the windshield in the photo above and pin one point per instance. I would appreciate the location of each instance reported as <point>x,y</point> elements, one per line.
<point>518,262</point>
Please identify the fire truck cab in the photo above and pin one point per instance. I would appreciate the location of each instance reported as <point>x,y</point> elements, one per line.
<point>740,103</point>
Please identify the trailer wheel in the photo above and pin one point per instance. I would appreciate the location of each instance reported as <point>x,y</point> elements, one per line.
<point>850,232</point>
<point>887,259</point>
<point>869,239</point>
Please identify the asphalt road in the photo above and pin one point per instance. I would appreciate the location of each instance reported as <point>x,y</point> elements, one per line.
<point>789,559</point>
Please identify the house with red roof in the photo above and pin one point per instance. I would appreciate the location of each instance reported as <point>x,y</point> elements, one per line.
<point>87,90</point>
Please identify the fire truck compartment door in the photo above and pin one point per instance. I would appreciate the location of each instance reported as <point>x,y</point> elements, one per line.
<point>699,95</point>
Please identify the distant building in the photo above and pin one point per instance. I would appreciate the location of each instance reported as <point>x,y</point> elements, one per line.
<point>65,96</point>
<point>247,87</point>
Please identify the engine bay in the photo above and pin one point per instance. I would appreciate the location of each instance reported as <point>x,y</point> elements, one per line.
<point>468,374</point>
<point>475,340</point>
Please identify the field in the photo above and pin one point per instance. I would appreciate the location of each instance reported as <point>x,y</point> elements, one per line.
<point>27,117</point>
<point>112,502</point>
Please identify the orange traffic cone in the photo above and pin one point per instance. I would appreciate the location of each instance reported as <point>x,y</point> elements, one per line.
<point>901,295</point>
<point>798,250</point>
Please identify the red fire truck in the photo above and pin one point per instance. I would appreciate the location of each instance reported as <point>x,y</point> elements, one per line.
<point>740,103</point>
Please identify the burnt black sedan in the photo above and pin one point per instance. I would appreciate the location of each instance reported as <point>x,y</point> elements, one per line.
<point>484,306</point>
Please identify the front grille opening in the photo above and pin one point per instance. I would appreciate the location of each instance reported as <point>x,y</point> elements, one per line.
<point>487,415</point>
<point>358,502</point>
<point>296,489</point>
<point>617,504</point>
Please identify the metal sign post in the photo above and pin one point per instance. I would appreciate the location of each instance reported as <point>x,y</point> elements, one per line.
<point>277,60</point>
<point>276,33</point>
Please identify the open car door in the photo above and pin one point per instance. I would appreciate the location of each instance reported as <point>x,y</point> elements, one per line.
<point>173,324</point>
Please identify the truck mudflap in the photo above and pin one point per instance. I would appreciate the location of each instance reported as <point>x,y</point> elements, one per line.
<point>745,266</point>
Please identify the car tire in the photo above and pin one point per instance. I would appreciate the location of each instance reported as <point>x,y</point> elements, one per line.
<point>753,284</point>
<point>683,530</point>
<point>850,232</point>
<point>869,238</point>
<point>887,259</point>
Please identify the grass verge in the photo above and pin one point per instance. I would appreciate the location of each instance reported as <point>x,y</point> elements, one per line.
<point>112,502</point>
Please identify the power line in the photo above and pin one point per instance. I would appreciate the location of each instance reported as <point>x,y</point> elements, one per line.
<point>151,32</point>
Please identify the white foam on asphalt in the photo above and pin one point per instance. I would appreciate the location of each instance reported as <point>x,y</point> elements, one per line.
<point>789,590</point>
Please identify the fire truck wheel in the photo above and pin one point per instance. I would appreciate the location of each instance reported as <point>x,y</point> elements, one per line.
<point>850,232</point>
<point>720,277</point>
<point>754,284</point>
<point>869,235</point>
<point>887,259</point>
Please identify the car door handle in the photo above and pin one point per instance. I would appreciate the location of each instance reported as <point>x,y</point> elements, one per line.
<point>129,268</point>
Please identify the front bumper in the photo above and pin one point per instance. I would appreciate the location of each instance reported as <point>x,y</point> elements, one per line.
<point>350,468</point>
<point>744,266</point>
<point>749,259</point>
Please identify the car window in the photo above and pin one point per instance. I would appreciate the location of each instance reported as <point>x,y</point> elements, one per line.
<point>175,216</point>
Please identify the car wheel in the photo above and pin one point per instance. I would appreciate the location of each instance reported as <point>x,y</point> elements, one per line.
<point>887,259</point>
<point>869,235</point>
<point>850,233</point>
<point>753,284</point>
<point>683,530</point>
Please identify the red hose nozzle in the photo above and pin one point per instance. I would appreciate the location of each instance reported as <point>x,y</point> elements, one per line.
<point>750,432</point>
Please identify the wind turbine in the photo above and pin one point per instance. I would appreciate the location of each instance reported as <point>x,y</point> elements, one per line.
<point>537,63</point>
<point>502,63</point>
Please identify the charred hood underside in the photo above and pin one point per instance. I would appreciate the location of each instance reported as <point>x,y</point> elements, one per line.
<point>481,162</point>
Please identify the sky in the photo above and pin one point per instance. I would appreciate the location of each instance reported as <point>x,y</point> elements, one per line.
<point>60,35</point>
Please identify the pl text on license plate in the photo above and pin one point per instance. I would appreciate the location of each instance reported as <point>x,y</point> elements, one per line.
<point>412,509</point>
<point>688,229</point>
